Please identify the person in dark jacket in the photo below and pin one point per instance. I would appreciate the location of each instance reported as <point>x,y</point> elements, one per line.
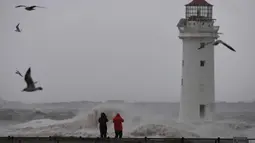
<point>117,120</point>
<point>102,125</point>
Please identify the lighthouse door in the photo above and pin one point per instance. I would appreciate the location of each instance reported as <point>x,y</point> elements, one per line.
<point>202,111</point>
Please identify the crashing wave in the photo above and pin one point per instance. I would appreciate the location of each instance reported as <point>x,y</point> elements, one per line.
<point>146,123</point>
<point>22,115</point>
<point>84,124</point>
<point>236,125</point>
<point>109,109</point>
<point>161,130</point>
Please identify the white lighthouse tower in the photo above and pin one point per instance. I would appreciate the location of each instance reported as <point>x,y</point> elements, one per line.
<point>197,83</point>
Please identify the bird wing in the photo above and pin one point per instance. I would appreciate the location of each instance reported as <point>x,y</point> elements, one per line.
<point>17,72</point>
<point>37,6</point>
<point>217,42</point>
<point>20,6</point>
<point>28,79</point>
<point>202,45</point>
<point>209,43</point>
<point>17,26</point>
<point>228,46</point>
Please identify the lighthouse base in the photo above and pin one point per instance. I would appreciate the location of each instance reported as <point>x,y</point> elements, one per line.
<point>196,113</point>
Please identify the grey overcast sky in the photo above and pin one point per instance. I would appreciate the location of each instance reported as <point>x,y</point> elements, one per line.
<point>117,49</point>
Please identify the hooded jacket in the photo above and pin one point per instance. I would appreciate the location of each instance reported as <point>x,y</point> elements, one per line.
<point>102,122</point>
<point>117,120</point>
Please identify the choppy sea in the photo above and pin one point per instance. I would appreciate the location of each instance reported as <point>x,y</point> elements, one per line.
<point>141,119</point>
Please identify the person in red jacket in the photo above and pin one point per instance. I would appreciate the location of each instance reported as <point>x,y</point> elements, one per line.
<point>117,120</point>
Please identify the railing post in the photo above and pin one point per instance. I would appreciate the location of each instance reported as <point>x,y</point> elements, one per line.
<point>217,140</point>
<point>182,140</point>
<point>145,139</point>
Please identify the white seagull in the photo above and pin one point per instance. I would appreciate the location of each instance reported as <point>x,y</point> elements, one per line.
<point>30,83</point>
<point>202,45</point>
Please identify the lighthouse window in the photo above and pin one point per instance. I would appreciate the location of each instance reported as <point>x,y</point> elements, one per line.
<point>202,63</point>
<point>182,81</point>
<point>182,62</point>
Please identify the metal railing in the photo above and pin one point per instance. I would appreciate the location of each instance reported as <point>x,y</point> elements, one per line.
<point>123,140</point>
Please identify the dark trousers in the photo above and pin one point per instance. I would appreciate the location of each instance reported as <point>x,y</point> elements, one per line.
<point>103,135</point>
<point>103,132</point>
<point>118,134</point>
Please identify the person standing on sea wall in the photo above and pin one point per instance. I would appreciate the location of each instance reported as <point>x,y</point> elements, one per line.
<point>118,128</point>
<point>103,125</point>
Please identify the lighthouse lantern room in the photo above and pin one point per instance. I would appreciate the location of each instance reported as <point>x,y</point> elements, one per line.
<point>197,83</point>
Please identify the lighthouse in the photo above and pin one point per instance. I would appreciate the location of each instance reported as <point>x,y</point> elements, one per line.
<point>197,81</point>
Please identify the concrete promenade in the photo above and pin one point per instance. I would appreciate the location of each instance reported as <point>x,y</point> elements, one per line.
<point>123,140</point>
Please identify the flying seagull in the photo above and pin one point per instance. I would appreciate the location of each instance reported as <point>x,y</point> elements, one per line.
<point>215,43</point>
<point>29,8</point>
<point>17,28</point>
<point>30,83</point>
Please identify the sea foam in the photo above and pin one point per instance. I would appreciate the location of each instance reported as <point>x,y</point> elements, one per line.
<point>138,123</point>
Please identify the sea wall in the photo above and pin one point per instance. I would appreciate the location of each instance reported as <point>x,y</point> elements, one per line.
<point>123,140</point>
